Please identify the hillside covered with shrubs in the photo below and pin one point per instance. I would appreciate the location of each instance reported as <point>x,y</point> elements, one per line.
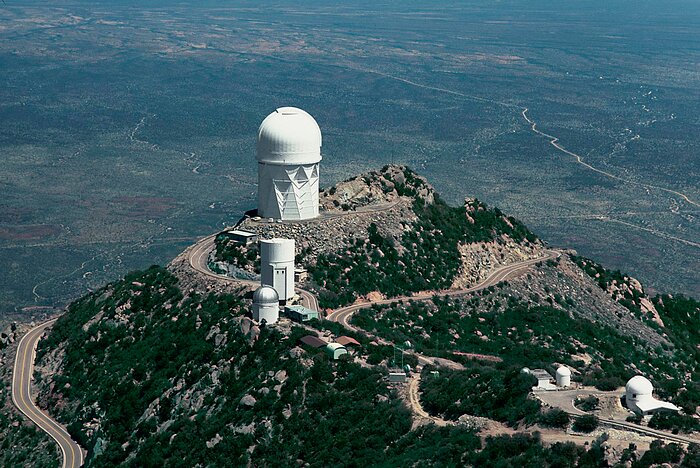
<point>147,372</point>
<point>145,375</point>
<point>424,257</point>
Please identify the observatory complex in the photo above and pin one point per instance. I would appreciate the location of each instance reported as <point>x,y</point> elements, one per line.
<point>288,154</point>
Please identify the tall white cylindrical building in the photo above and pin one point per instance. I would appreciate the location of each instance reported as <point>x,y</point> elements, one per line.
<point>266,305</point>
<point>288,154</point>
<point>277,266</point>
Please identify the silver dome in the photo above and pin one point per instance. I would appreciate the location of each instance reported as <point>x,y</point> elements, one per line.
<point>265,295</point>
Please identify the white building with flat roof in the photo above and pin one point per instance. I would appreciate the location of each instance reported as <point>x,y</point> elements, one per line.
<point>544,379</point>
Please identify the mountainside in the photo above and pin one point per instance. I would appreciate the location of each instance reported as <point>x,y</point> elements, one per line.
<point>165,367</point>
<point>388,232</point>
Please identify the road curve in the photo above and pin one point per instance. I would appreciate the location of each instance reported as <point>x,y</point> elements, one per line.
<point>414,401</point>
<point>22,396</point>
<point>198,258</point>
<point>344,314</point>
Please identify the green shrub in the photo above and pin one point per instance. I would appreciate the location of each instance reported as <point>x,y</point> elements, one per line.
<point>608,384</point>
<point>554,418</point>
<point>676,422</point>
<point>585,423</point>
<point>496,392</point>
<point>658,454</point>
<point>589,403</point>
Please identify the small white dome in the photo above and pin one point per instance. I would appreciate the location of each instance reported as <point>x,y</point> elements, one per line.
<point>289,136</point>
<point>265,295</point>
<point>638,386</point>
<point>563,371</point>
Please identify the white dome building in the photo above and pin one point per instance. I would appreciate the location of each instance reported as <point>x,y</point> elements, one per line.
<point>639,398</point>
<point>288,154</point>
<point>266,305</point>
<point>563,376</point>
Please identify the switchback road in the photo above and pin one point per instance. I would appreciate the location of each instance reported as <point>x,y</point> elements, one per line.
<point>22,396</point>
<point>344,314</point>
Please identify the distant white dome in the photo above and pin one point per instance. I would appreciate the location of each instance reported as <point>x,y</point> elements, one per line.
<point>265,295</point>
<point>563,376</point>
<point>289,136</point>
<point>638,387</point>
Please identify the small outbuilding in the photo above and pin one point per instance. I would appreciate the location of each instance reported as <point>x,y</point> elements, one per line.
<point>300,313</point>
<point>300,274</point>
<point>347,341</point>
<point>313,341</point>
<point>335,350</point>
<point>544,379</point>
<point>241,237</point>
<point>398,377</point>
<point>639,397</point>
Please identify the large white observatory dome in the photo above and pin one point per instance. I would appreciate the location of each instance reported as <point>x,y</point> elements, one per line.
<point>288,153</point>
<point>289,136</point>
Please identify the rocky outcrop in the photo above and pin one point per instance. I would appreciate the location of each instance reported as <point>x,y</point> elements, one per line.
<point>330,232</point>
<point>8,335</point>
<point>375,188</point>
<point>190,280</point>
<point>562,284</point>
<point>481,258</point>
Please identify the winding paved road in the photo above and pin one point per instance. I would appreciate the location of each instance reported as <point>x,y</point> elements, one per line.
<point>22,396</point>
<point>344,314</point>
<point>199,253</point>
<point>198,258</point>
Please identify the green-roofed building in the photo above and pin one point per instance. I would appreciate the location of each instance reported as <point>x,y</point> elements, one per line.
<point>300,313</point>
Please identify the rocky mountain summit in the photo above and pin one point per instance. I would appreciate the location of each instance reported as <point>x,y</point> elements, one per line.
<point>166,367</point>
<point>396,215</point>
